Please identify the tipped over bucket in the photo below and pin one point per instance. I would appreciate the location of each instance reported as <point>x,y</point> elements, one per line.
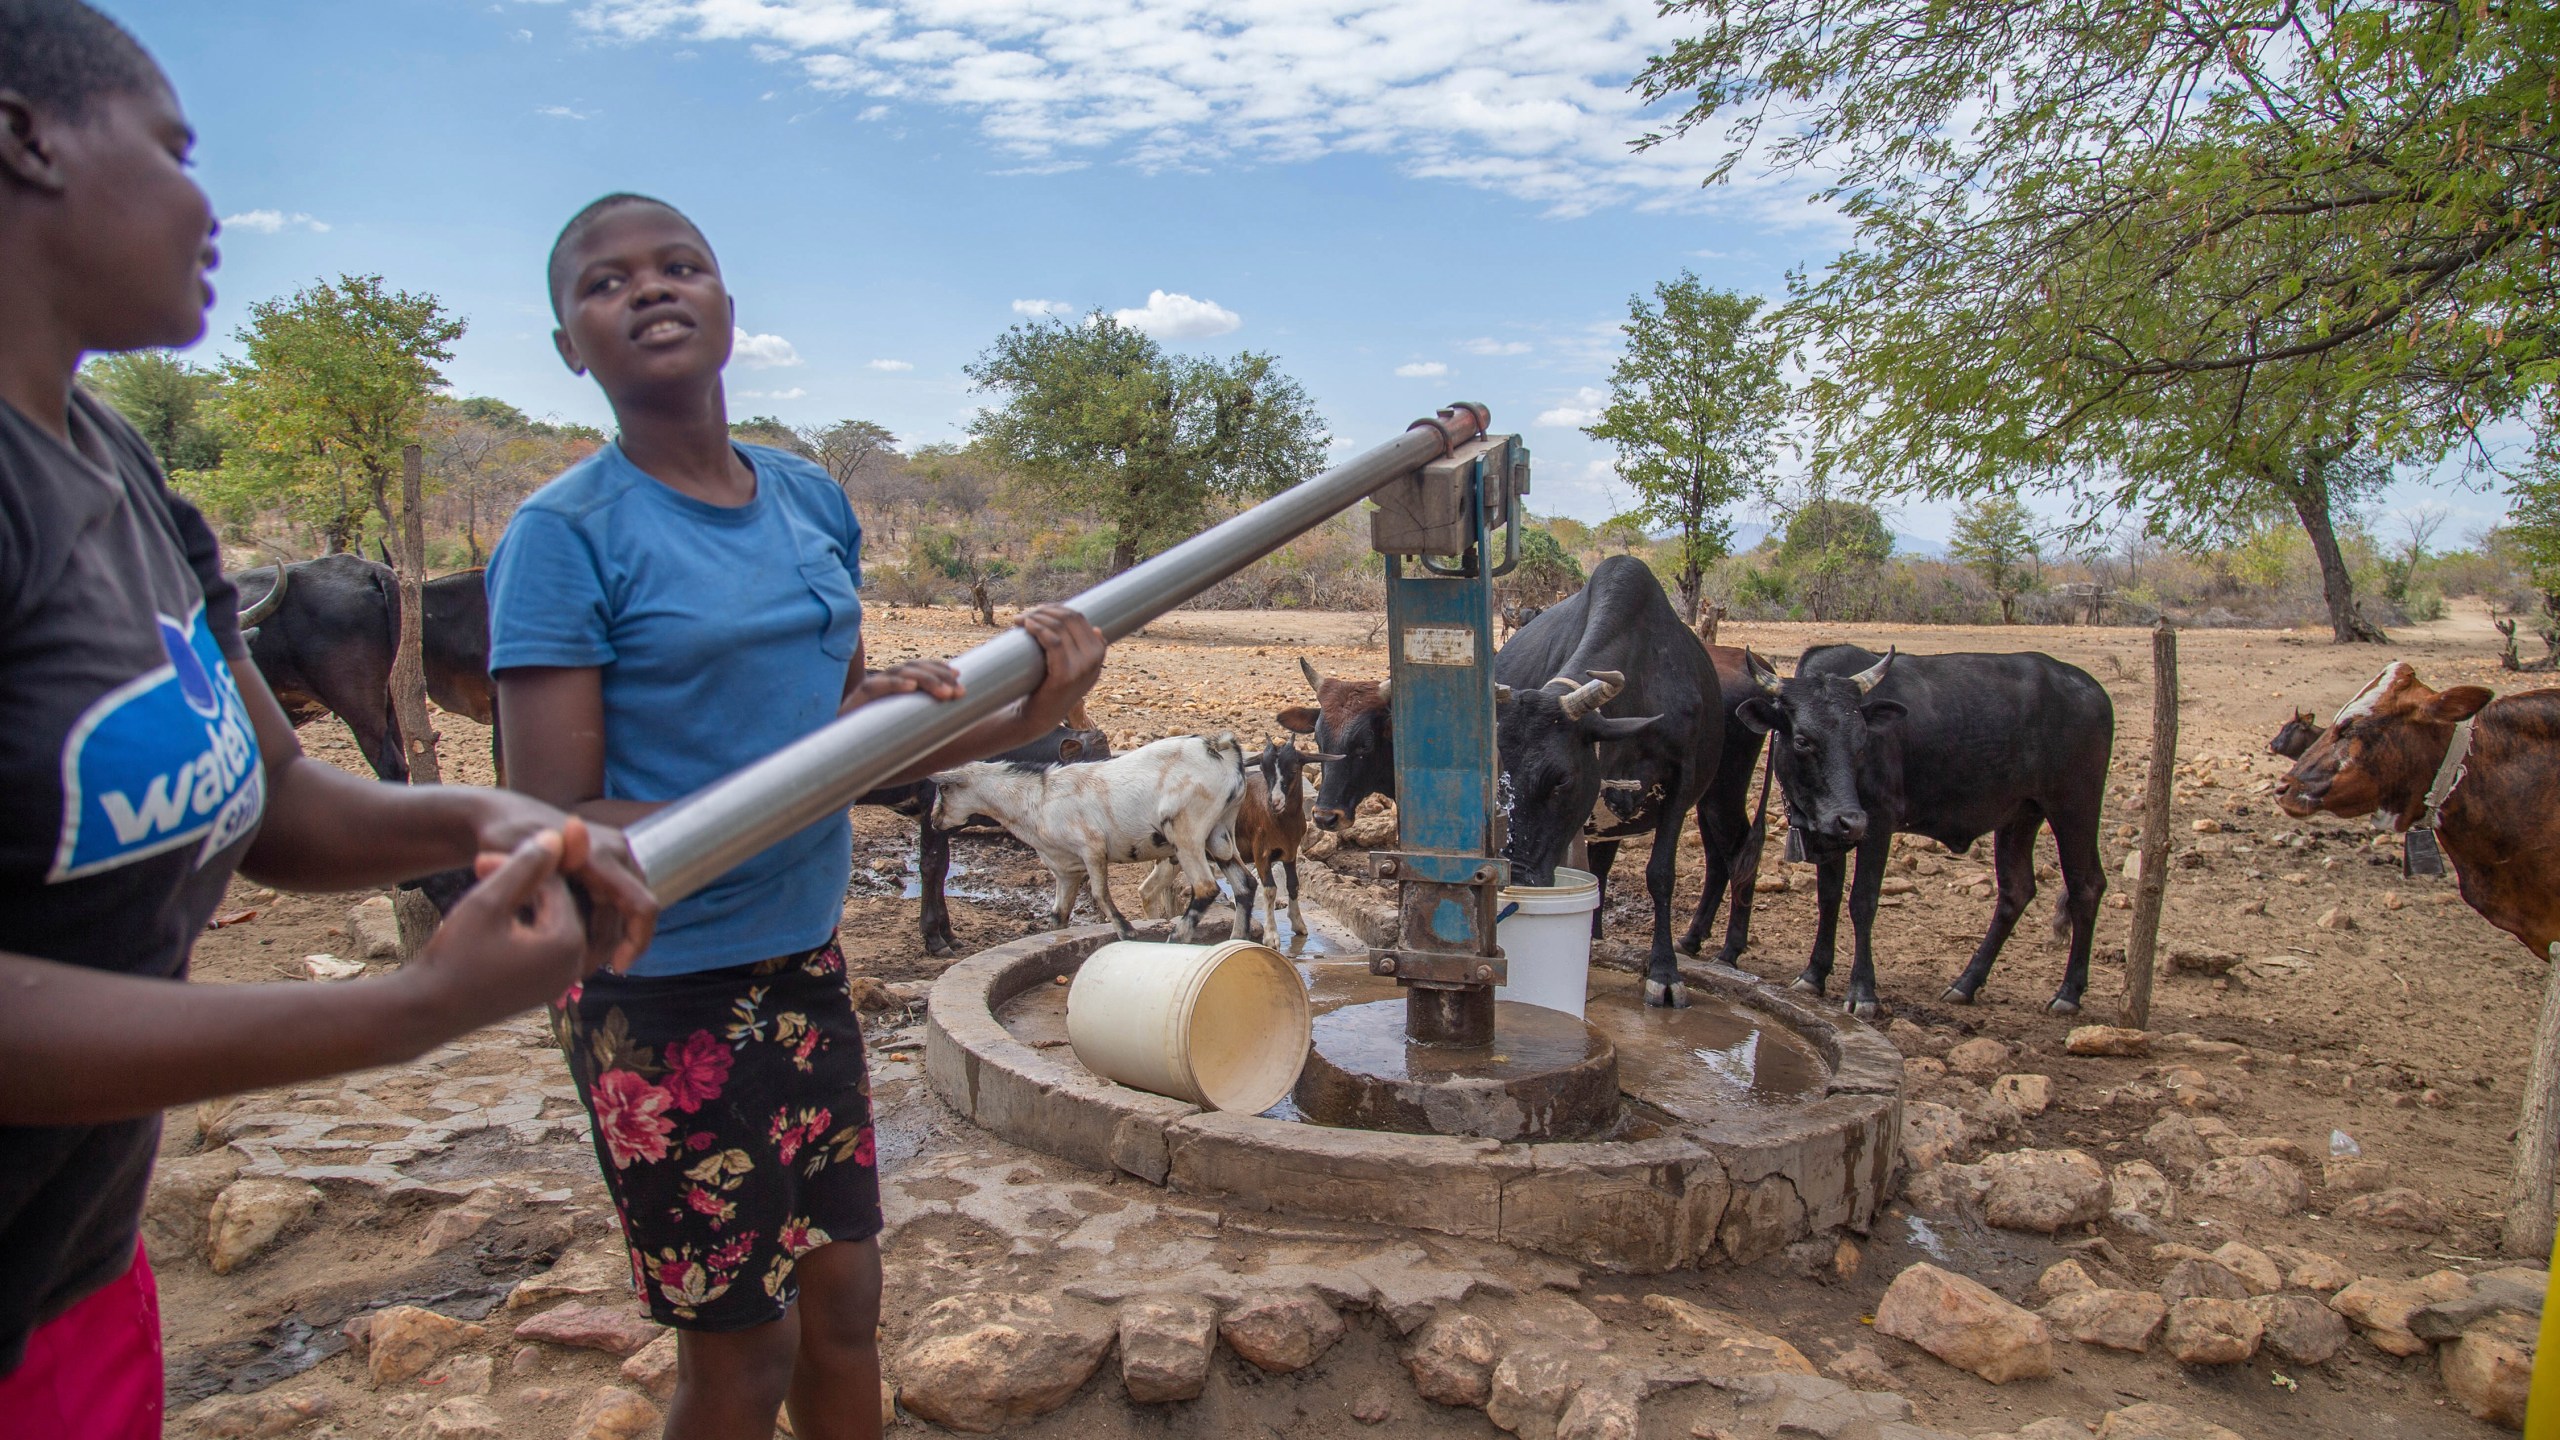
<point>1545,934</point>
<point>1225,1026</point>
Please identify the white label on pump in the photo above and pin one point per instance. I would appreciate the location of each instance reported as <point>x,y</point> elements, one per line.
<point>1439,646</point>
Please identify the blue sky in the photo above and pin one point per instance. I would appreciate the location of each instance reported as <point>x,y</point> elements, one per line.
<point>1405,201</point>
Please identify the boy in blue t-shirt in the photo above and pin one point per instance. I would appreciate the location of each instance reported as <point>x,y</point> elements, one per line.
<point>668,610</point>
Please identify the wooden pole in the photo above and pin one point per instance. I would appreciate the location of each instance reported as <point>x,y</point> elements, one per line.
<point>417,914</point>
<point>2151,891</point>
<point>2530,1189</point>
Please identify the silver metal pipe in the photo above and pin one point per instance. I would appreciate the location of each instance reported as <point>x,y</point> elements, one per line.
<point>706,834</point>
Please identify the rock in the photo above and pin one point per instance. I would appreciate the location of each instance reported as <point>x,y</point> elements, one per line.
<point>1822,1258</point>
<point>1166,1343</point>
<point>2043,1190</point>
<point>461,1375</point>
<point>2205,1331</point>
<point>2064,1277</point>
<point>2381,1309</point>
<point>404,1340</point>
<point>1282,1332</point>
<point>461,1417</point>
<point>2160,1422</point>
<point>2106,1040</point>
<point>613,1330</point>
<point>1799,1406</point>
<point>1979,1056</point>
<point>2490,1368</point>
<point>329,968</point>
<point>2051,1427</point>
<point>2395,1209</point>
<point>2138,1186</point>
<point>979,1361</point>
<point>2201,1279</point>
<point>2299,1328</point>
<point>2254,1266</point>
<point>2518,1291</point>
<point>2179,1145</point>
<point>1374,831</point>
<point>2192,1090</point>
<point>1911,1039</point>
<point>182,1195</point>
<point>2261,1183</point>
<point>2335,918</point>
<point>2311,1270</point>
<point>2207,962</point>
<point>1607,1410</point>
<point>375,926</point>
<point>2115,1319</point>
<point>257,1417</point>
<point>598,1271</point>
<point>251,1215</point>
<point>457,1224</point>
<point>1932,1135</point>
<point>1452,1360</point>
<point>613,1413</point>
<point>1965,1324</point>
<point>653,1369</point>
<point>1736,1348</point>
<point>1530,1386</point>
<point>2026,1094</point>
<point>1373,1405</point>
<point>1861,1366</point>
<point>2354,1174</point>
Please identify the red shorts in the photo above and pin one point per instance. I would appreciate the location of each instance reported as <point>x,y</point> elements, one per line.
<point>93,1372</point>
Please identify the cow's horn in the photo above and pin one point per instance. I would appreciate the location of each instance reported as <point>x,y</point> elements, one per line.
<point>1501,694</point>
<point>1614,682</point>
<point>1866,680</point>
<point>1314,681</point>
<point>1763,675</point>
<point>1386,689</point>
<point>1585,698</point>
<point>257,614</point>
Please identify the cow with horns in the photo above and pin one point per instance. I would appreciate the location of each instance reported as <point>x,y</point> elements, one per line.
<point>2298,735</point>
<point>1951,747</point>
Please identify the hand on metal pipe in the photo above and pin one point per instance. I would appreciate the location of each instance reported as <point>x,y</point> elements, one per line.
<point>935,679</point>
<point>1074,650</point>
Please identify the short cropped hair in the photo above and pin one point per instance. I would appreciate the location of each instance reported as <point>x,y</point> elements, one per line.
<point>62,55</point>
<point>557,271</point>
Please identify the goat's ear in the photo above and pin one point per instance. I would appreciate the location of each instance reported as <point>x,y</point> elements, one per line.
<point>1070,750</point>
<point>1760,714</point>
<point>1298,720</point>
<point>2458,703</point>
<point>1881,713</point>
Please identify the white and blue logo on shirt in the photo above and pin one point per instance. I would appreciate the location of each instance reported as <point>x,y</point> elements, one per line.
<point>164,760</point>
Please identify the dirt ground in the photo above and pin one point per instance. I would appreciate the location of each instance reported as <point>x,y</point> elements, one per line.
<point>2404,1024</point>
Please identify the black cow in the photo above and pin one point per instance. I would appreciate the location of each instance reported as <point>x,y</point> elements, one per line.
<point>1062,746</point>
<point>1732,828</point>
<point>1615,645</point>
<point>2298,735</point>
<point>328,640</point>
<point>1952,747</point>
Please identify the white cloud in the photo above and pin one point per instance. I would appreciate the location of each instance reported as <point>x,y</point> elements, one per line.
<point>893,365</point>
<point>268,222</point>
<point>1525,97</point>
<point>1172,316</point>
<point>1583,409</point>
<point>563,112</point>
<point>1038,309</point>
<point>794,393</point>
<point>1489,346</point>
<point>762,352</point>
<point>1422,370</point>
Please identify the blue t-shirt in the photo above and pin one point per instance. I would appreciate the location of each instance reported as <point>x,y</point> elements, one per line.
<point>723,634</point>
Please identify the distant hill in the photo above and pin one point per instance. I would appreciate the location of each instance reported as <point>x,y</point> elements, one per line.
<point>1748,534</point>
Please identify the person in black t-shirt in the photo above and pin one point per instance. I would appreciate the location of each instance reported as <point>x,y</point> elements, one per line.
<point>142,761</point>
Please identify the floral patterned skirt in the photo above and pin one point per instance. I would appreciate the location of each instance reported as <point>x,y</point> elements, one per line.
<point>732,1114</point>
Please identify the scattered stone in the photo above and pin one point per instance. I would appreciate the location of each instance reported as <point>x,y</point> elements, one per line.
<point>2335,918</point>
<point>404,1340</point>
<point>2398,1208</point>
<point>1932,1134</point>
<point>1604,1410</point>
<point>2107,1040</point>
<point>2051,1427</point>
<point>2490,1368</point>
<point>1804,1405</point>
<point>1947,1190</point>
<point>1963,1323</point>
<point>1452,1361</point>
<point>2254,1266</point>
<point>2253,907</point>
<point>1861,1366</point>
<point>182,1194</point>
<point>1911,1039</point>
<point>2179,1145</point>
<point>2138,1186</point>
<point>1530,1386</point>
<point>2064,1277</point>
<point>2027,1094</point>
<point>2261,1183</point>
<point>2205,1331</point>
<point>2311,1270</point>
<point>597,1271</point>
<point>461,1375</point>
<point>1736,1347</point>
<point>375,927</point>
<point>251,1215</point>
<point>461,1417</point>
<point>2516,1291</point>
<point>1283,1332</point>
<point>1166,1342</point>
<point>258,1417</point>
<point>2299,1328</point>
<point>653,1369</point>
<point>613,1413</point>
<point>2160,1422</point>
<point>2043,1190</point>
<point>329,968</point>
<point>590,1327</point>
<point>2207,826</point>
<point>528,1360</point>
<point>2114,1319</point>
<point>457,1224</point>
<point>2208,962</point>
<point>2193,1091</point>
<point>1979,1056</point>
<point>2381,1309</point>
<point>2201,1279</point>
<point>1373,1406</point>
<point>1772,882</point>
<point>979,1361</point>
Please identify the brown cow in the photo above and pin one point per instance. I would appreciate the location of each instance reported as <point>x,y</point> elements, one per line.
<point>2498,825</point>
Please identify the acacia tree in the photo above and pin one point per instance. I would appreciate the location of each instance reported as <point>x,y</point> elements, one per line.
<point>1995,538</point>
<point>2533,513</point>
<point>1829,546</point>
<point>1097,416</point>
<point>168,400</point>
<point>2180,259</point>
<point>849,449</point>
<point>1693,401</point>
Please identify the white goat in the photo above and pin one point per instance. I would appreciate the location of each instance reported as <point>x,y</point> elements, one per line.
<point>1173,800</point>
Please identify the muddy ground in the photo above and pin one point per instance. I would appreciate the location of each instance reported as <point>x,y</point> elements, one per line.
<point>2405,1026</point>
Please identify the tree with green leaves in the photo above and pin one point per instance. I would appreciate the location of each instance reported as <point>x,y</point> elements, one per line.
<point>1547,572</point>
<point>1693,402</point>
<point>2532,526</point>
<point>1098,417</point>
<point>1995,538</point>
<point>170,401</point>
<point>1829,547</point>
<point>2181,262</point>
<point>849,449</point>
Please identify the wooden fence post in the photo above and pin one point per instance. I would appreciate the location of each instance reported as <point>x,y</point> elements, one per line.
<point>417,737</point>
<point>2530,1199</point>
<point>2152,890</point>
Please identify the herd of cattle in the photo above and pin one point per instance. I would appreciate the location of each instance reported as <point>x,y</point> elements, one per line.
<point>1613,719</point>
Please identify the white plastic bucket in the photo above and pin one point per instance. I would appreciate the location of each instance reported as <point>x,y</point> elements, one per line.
<point>1547,941</point>
<point>1223,1026</point>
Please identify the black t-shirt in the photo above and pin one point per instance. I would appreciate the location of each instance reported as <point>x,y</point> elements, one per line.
<point>129,788</point>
